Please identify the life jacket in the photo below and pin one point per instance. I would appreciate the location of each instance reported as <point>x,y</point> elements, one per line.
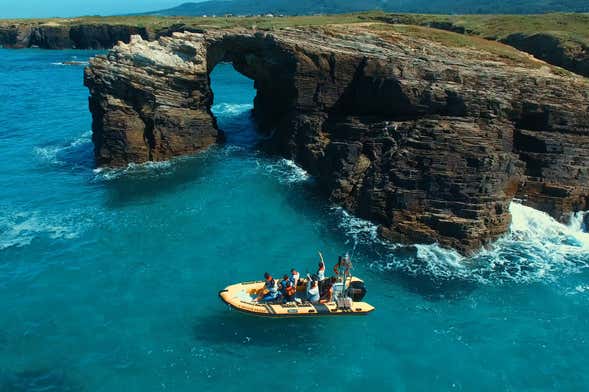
<point>271,286</point>
<point>290,290</point>
<point>284,283</point>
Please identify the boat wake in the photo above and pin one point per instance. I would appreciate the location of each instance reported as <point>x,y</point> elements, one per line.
<point>536,248</point>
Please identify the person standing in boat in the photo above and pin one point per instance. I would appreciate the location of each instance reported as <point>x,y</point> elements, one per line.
<point>343,266</point>
<point>321,268</point>
<point>294,277</point>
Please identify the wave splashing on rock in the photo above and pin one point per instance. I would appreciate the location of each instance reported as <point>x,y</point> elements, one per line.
<point>285,170</point>
<point>72,153</point>
<point>537,248</point>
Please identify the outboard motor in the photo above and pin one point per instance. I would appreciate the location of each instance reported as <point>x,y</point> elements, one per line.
<point>357,291</point>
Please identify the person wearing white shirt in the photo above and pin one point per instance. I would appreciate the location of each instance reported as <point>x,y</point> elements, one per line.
<point>294,277</point>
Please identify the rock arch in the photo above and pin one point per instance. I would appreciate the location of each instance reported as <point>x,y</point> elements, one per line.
<point>432,143</point>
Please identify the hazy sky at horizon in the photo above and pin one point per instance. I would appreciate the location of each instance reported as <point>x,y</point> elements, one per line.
<point>67,8</point>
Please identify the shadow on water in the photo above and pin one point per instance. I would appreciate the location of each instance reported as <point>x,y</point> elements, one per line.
<point>144,182</point>
<point>410,272</point>
<point>433,288</point>
<point>46,380</point>
<point>234,328</point>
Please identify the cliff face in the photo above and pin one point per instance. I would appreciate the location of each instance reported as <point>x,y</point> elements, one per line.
<point>569,54</point>
<point>83,36</point>
<point>430,142</point>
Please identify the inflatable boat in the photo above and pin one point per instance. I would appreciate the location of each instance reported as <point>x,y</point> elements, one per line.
<point>347,300</point>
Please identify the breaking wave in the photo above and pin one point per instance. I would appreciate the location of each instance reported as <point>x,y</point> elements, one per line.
<point>285,170</point>
<point>578,222</point>
<point>148,169</point>
<point>231,109</point>
<point>75,152</point>
<point>536,248</point>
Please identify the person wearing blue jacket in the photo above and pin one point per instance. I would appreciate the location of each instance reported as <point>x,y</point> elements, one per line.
<point>270,292</point>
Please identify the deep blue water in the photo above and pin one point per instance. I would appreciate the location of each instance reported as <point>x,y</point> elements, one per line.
<point>109,279</point>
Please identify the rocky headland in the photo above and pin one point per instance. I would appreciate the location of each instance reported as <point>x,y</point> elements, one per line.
<point>429,140</point>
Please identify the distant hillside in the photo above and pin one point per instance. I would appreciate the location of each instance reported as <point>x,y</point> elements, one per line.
<point>309,7</point>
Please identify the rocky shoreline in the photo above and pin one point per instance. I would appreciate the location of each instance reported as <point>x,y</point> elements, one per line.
<point>80,36</point>
<point>432,143</point>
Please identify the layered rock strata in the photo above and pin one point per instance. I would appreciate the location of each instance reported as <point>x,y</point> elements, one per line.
<point>432,143</point>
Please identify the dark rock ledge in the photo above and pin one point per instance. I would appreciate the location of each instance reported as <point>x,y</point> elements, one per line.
<point>431,143</point>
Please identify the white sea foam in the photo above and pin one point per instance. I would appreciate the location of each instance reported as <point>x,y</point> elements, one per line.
<point>51,153</point>
<point>536,248</point>
<point>577,222</point>
<point>19,229</point>
<point>540,229</point>
<point>231,109</point>
<point>147,168</point>
<point>359,230</point>
<point>286,171</point>
<point>71,63</point>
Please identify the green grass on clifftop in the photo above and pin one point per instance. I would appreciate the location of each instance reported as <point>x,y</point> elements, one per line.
<point>496,27</point>
<point>568,34</point>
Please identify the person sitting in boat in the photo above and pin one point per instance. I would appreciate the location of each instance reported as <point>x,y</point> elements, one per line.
<point>283,284</point>
<point>289,291</point>
<point>294,277</point>
<point>313,292</point>
<point>327,291</point>
<point>270,292</point>
<point>321,268</point>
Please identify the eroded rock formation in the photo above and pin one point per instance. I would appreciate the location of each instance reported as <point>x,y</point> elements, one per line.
<point>430,142</point>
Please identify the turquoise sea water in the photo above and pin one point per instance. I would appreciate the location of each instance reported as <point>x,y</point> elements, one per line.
<point>109,279</point>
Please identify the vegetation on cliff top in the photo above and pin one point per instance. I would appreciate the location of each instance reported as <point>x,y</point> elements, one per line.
<point>565,36</point>
<point>488,26</point>
<point>498,27</point>
<point>571,26</point>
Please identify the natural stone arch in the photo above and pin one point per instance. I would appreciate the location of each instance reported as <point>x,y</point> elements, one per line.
<point>270,67</point>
